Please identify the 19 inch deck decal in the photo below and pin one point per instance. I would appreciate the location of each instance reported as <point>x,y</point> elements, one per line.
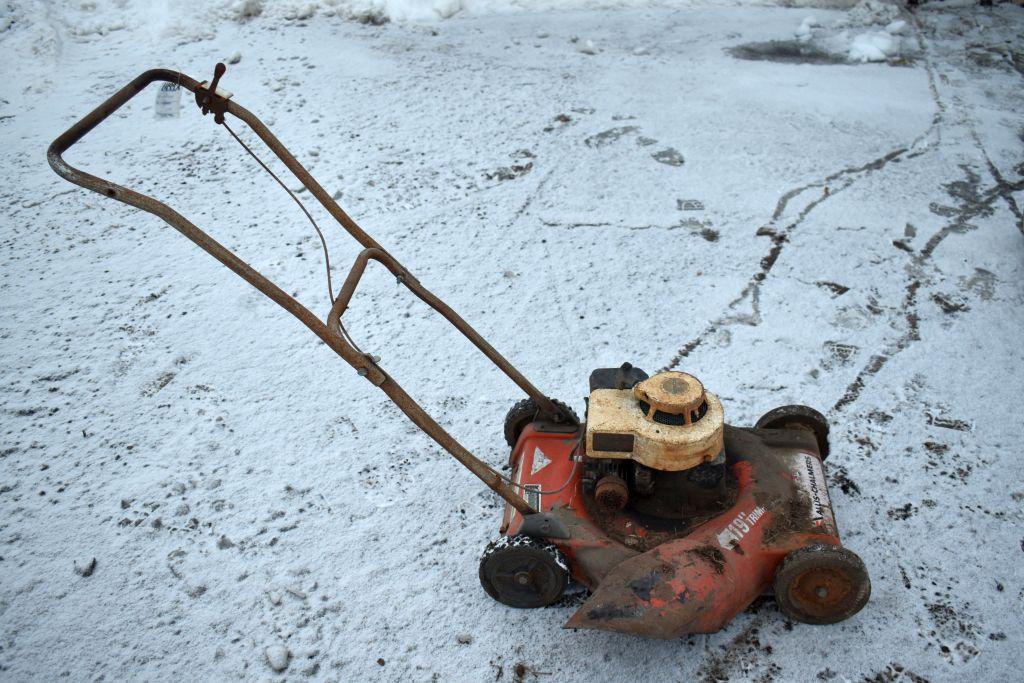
<point>739,527</point>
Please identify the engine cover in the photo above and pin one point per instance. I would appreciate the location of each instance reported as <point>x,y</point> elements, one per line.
<point>667,422</point>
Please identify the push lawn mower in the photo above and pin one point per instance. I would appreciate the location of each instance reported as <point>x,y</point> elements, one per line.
<point>673,519</point>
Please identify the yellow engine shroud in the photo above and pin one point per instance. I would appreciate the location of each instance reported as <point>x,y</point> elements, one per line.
<point>618,428</point>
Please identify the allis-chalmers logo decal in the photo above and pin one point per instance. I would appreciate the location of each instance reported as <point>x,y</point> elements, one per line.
<point>811,477</point>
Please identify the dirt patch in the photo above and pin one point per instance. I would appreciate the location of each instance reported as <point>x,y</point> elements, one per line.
<point>838,476</point>
<point>903,512</point>
<point>906,579</point>
<point>834,287</point>
<point>668,156</point>
<point>902,244</point>
<point>509,172</point>
<point>955,633</point>
<point>712,556</point>
<point>789,519</point>
<point>560,121</point>
<point>572,599</point>
<point>982,283</point>
<point>159,383</point>
<point>949,305</point>
<point>948,619</point>
<point>520,671</point>
<point>893,672</point>
<point>947,422</point>
<point>739,657</point>
<point>839,354</point>
<point>784,52</point>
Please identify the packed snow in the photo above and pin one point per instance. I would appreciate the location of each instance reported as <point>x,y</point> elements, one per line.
<point>874,46</point>
<point>805,31</point>
<point>193,487</point>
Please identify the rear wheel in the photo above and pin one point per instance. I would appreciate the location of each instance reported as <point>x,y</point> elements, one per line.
<point>822,584</point>
<point>798,417</point>
<point>523,572</point>
<point>523,413</point>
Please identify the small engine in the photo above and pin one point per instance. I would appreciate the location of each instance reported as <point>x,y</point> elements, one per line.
<point>655,445</point>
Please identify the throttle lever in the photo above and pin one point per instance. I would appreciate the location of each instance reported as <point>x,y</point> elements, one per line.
<point>210,98</point>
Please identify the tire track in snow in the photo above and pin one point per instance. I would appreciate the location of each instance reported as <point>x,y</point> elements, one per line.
<point>928,140</point>
<point>1003,186</point>
<point>780,237</point>
<point>979,205</point>
<point>972,204</point>
<point>1017,63</point>
<point>567,319</point>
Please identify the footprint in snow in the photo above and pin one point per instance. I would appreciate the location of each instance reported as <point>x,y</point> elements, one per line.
<point>668,156</point>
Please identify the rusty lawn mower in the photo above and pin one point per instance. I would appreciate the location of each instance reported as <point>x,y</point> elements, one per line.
<point>674,520</point>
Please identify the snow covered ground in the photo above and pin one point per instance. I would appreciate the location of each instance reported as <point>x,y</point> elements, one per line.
<point>706,188</point>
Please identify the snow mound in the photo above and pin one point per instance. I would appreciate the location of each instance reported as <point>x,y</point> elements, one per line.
<point>804,33</point>
<point>380,11</point>
<point>82,20</point>
<point>873,46</point>
<point>243,10</point>
<point>877,38</point>
<point>896,27</point>
<point>870,13</point>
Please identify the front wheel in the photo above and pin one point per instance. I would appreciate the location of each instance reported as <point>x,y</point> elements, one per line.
<point>822,584</point>
<point>523,572</point>
<point>798,417</point>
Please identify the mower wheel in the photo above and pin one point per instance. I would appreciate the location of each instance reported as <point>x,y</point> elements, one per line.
<point>522,414</point>
<point>523,572</point>
<point>798,417</point>
<point>821,584</point>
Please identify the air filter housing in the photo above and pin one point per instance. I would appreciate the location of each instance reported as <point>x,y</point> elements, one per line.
<point>667,422</point>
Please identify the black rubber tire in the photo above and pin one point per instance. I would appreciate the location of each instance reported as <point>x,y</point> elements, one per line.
<point>798,417</point>
<point>523,572</point>
<point>522,414</point>
<point>822,584</point>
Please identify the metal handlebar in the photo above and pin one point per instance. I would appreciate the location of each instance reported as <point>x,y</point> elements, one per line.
<point>211,100</point>
<point>545,405</point>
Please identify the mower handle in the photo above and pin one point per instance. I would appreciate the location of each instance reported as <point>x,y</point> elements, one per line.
<point>213,100</point>
<point>545,405</point>
<point>72,135</point>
